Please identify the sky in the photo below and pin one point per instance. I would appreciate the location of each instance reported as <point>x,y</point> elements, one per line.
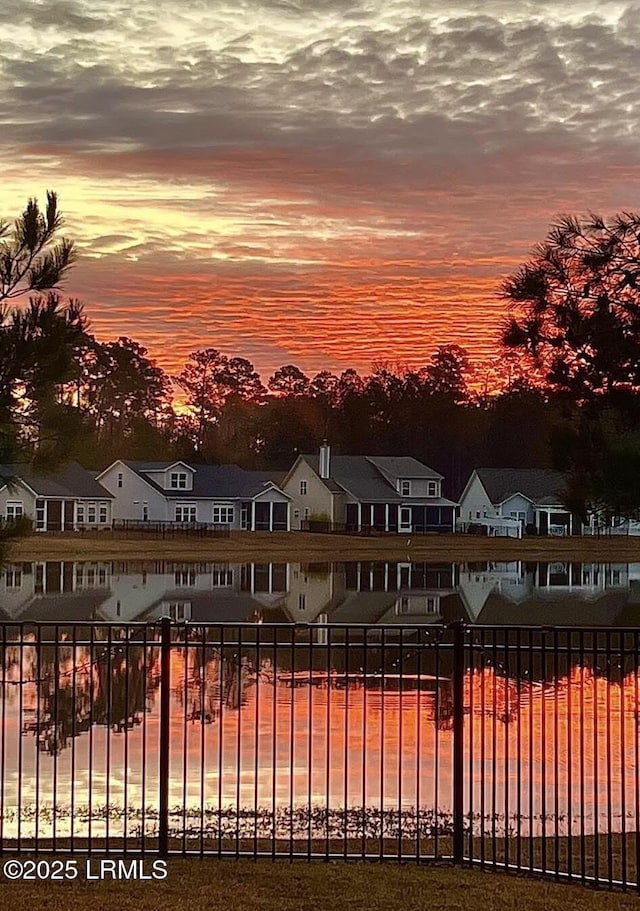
<point>328,183</point>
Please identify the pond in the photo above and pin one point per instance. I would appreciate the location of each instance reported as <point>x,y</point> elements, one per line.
<point>317,729</point>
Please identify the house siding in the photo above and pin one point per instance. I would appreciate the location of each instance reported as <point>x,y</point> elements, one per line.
<point>517,503</point>
<point>474,501</point>
<point>133,488</point>
<point>18,494</point>
<point>318,499</point>
<point>419,488</point>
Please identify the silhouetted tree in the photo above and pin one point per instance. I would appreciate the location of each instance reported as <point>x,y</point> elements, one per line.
<point>289,380</point>
<point>29,258</point>
<point>577,306</point>
<point>124,385</point>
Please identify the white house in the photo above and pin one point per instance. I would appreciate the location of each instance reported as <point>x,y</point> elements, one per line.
<point>211,494</point>
<point>64,500</point>
<point>507,500</point>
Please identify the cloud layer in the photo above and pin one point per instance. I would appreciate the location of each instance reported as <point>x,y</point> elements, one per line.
<point>325,181</point>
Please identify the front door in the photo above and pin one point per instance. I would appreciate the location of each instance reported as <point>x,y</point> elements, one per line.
<point>405,519</point>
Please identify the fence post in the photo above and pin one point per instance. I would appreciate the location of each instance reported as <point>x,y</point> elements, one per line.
<point>458,740</point>
<point>165,724</point>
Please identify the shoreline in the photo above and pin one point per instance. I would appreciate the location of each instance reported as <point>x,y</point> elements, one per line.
<point>292,547</point>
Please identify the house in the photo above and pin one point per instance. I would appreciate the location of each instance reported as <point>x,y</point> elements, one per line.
<point>508,500</point>
<point>386,493</point>
<point>211,494</point>
<point>65,500</point>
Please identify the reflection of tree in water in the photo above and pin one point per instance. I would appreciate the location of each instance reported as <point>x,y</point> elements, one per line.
<point>206,680</point>
<point>66,687</point>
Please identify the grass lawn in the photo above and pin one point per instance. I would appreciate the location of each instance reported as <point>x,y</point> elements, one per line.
<point>267,886</point>
<point>306,547</point>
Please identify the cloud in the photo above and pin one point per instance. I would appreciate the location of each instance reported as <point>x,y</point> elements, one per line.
<point>388,160</point>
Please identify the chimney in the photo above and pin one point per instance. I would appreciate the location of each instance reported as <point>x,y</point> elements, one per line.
<point>325,459</point>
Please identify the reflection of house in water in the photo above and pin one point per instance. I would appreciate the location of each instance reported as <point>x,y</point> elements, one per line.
<point>126,592</point>
<point>54,590</point>
<point>206,592</point>
<point>364,592</point>
<point>559,593</point>
<point>370,592</point>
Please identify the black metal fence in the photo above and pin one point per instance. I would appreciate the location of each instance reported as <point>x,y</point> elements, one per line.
<point>512,748</point>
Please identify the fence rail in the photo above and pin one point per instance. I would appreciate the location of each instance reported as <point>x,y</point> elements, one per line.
<point>514,748</point>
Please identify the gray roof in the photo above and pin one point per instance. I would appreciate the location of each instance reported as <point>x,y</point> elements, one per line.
<point>359,477</point>
<point>404,467</point>
<point>372,478</point>
<point>330,483</point>
<point>211,481</point>
<point>541,485</point>
<point>73,481</point>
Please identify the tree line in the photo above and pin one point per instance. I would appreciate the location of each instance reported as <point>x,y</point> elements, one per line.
<point>563,390</point>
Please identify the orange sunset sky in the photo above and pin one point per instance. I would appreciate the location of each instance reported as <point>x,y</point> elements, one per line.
<point>319,182</point>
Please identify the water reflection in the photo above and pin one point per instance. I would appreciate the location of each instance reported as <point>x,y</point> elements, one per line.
<point>322,732</point>
<point>302,738</point>
<point>352,592</point>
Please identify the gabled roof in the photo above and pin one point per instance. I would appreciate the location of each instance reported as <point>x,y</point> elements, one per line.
<point>213,482</point>
<point>71,482</point>
<point>160,466</point>
<point>403,467</point>
<point>330,483</point>
<point>358,476</point>
<point>372,478</point>
<point>540,485</point>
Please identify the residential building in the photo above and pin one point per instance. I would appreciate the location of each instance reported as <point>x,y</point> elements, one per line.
<point>211,494</point>
<point>65,500</point>
<point>508,500</point>
<point>385,493</point>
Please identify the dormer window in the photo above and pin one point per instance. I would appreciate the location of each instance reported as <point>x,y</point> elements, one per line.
<point>405,488</point>
<point>178,480</point>
<point>432,488</point>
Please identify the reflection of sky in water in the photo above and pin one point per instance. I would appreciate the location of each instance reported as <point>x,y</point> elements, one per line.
<point>242,739</point>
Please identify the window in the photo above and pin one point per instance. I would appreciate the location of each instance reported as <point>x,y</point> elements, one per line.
<point>302,602</point>
<point>432,488</point>
<point>433,605</point>
<point>38,587</point>
<point>221,577</point>
<point>119,479</point>
<point>13,577</point>
<point>178,480</point>
<point>91,513</point>
<point>184,578</point>
<point>306,512</point>
<point>145,513</point>
<point>14,510</point>
<point>40,511</point>
<point>103,513</point>
<point>186,513</point>
<point>405,488</point>
<point>80,513</point>
<point>223,515</point>
<point>176,610</point>
<point>303,488</point>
